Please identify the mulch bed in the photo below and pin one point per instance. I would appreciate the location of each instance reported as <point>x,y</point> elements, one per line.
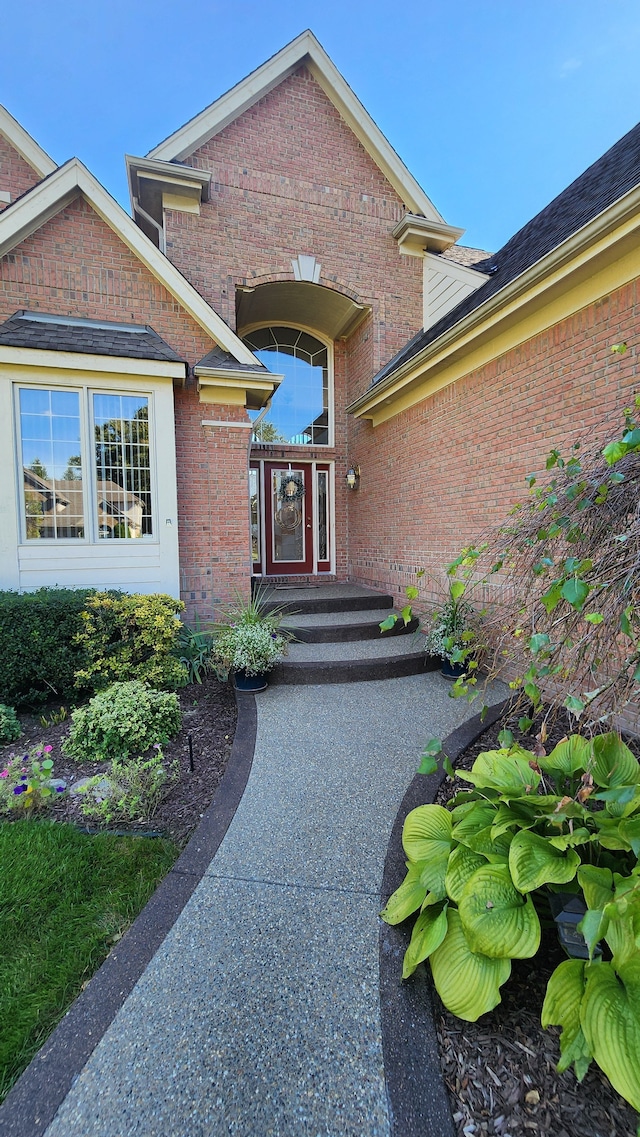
<point>500,1071</point>
<point>208,719</point>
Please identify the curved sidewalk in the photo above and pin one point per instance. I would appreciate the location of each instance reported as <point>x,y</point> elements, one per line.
<point>259,1014</point>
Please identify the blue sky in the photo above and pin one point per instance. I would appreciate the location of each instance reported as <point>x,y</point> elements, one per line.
<point>494,105</point>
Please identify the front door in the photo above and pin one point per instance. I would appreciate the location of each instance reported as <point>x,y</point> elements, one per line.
<point>292,501</point>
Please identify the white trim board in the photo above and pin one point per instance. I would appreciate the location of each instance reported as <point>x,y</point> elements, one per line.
<point>26,146</point>
<point>305,49</point>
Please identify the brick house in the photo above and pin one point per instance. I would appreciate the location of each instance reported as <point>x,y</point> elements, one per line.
<point>183,390</point>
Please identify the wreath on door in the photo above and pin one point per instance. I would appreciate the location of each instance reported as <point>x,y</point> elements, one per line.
<point>291,488</point>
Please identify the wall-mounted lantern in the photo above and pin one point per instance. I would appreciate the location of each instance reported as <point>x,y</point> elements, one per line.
<point>353,476</point>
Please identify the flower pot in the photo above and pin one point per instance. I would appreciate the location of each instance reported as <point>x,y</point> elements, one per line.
<point>451,670</point>
<point>244,682</point>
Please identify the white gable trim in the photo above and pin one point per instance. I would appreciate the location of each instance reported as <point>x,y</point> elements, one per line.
<point>304,49</point>
<point>26,146</point>
<point>46,199</point>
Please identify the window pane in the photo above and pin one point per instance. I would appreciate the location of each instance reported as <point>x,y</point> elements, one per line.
<point>299,411</point>
<point>123,474</point>
<point>52,464</point>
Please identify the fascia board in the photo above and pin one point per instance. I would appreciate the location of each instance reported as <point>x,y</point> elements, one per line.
<point>224,377</point>
<point>48,197</point>
<point>583,245</point>
<point>304,49</point>
<point>42,359</point>
<point>33,154</point>
<point>167,171</point>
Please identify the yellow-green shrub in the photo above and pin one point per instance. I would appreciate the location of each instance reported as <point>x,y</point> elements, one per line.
<point>130,637</point>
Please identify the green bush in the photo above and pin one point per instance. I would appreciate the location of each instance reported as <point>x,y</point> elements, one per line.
<point>133,791</point>
<point>125,637</point>
<point>126,718</point>
<point>10,728</point>
<point>39,656</point>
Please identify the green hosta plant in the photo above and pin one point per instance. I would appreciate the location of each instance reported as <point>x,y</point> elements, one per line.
<point>479,874</point>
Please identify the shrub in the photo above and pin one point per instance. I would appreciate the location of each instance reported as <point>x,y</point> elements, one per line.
<point>195,645</point>
<point>481,874</point>
<point>134,789</point>
<point>10,728</point>
<point>39,655</point>
<point>127,637</point>
<point>26,781</point>
<point>126,718</point>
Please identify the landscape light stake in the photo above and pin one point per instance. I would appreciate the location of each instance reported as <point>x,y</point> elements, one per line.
<point>191,766</point>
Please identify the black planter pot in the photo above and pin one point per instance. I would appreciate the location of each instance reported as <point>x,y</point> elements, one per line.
<point>244,682</point>
<point>451,670</point>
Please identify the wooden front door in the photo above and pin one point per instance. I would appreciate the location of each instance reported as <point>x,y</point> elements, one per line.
<point>295,538</point>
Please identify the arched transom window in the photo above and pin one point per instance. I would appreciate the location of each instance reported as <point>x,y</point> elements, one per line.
<point>300,410</point>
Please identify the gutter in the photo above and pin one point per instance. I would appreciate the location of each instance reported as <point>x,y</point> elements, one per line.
<point>415,367</point>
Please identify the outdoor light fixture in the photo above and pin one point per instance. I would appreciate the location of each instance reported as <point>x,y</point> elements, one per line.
<point>568,910</point>
<point>353,477</point>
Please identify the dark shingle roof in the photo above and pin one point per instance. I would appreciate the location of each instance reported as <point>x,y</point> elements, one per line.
<point>90,337</point>
<point>223,361</point>
<point>614,174</point>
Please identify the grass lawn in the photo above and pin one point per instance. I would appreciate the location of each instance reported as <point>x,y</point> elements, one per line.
<point>65,899</point>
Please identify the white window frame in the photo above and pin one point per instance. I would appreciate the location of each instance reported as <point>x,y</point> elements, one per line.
<point>297,446</point>
<point>86,391</point>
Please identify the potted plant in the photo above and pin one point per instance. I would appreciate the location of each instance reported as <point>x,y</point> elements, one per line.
<point>248,642</point>
<point>451,636</point>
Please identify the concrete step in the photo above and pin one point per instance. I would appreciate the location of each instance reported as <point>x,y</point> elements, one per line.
<point>333,627</point>
<point>352,662</point>
<point>321,598</point>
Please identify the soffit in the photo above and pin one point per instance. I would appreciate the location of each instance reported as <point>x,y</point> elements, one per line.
<point>297,303</point>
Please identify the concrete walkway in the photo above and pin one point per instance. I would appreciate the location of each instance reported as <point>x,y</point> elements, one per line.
<point>259,1014</point>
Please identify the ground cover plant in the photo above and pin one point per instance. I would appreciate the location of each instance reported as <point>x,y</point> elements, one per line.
<point>65,899</point>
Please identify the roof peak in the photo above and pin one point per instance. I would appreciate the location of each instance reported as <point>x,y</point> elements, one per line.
<point>304,49</point>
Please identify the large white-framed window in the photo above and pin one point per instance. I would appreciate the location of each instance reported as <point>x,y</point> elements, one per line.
<point>301,411</point>
<point>86,463</point>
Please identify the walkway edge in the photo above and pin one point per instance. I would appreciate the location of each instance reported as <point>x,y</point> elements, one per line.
<point>418,1099</point>
<point>34,1100</point>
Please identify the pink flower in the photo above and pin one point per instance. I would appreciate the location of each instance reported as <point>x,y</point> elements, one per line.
<point>48,749</point>
<point>4,773</point>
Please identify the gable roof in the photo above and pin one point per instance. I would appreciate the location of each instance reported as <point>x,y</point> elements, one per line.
<point>90,337</point>
<point>29,212</point>
<point>605,182</point>
<point>26,146</point>
<point>305,49</point>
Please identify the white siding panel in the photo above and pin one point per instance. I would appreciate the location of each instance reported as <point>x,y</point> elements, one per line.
<point>446,284</point>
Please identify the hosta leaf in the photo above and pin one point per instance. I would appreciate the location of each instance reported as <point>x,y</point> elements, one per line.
<point>533,861</point>
<point>498,921</point>
<point>630,831</point>
<point>593,926</point>
<point>468,983</point>
<point>561,1007</point>
<point>614,763</point>
<point>507,818</point>
<point>568,757</point>
<point>427,832</point>
<point>462,865</point>
<point>428,933</point>
<point>495,849</point>
<point>426,837</point>
<point>569,840</point>
<point>407,898</point>
<point>597,885</point>
<point>476,816</point>
<point>507,771</point>
<point>609,832</point>
<point>610,1017</point>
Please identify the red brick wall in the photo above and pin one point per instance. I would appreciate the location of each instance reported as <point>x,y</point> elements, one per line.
<point>437,475</point>
<point>76,266</point>
<point>289,177</point>
<point>16,175</point>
